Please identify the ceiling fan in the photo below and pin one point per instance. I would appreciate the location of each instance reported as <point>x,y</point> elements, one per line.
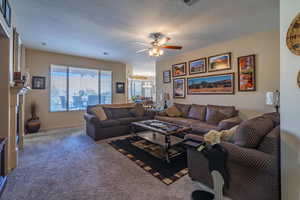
<point>158,44</point>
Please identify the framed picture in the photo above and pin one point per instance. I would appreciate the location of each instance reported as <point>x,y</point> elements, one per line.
<point>212,84</point>
<point>179,69</point>
<point>197,66</point>
<point>167,76</point>
<point>120,87</point>
<point>246,73</point>
<point>179,88</point>
<point>38,82</point>
<point>2,6</point>
<point>219,62</point>
<point>7,13</point>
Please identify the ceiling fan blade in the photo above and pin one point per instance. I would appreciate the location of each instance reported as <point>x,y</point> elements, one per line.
<point>163,41</point>
<point>143,44</point>
<point>142,50</point>
<point>173,47</point>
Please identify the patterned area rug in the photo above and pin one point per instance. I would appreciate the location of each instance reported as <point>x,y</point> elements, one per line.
<point>147,156</point>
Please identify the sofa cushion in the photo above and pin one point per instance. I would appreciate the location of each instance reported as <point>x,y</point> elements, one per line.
<point>183,108</point>
<point>197,112</point>
<point>109,123</point>
<point>202,127</point>
<point>117,113</point>
<point>138,111</point>
<point>228,111</point>
<point>128,120</point>
<point>177,120</point>
<point>251,132</point>
<point>229,123</point>
<point>270,143</point>
<point>214,116</point>
<point>99,113</point>
<point>173,112</point>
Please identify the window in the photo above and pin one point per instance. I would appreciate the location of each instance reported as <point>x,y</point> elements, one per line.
<point>76,88</point>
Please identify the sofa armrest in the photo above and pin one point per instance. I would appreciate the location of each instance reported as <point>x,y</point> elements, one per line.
<point>251,158</point>
<point>229,123</point>
<point>91,118</point>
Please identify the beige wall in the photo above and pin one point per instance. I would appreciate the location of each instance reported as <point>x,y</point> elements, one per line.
<point>290,107</point>
<point>38,64</point>
<point>266,48</point>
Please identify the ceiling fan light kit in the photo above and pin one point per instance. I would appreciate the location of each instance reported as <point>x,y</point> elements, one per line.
<point>156,51</point>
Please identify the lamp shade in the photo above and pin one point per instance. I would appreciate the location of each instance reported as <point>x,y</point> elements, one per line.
<point>272,98</point>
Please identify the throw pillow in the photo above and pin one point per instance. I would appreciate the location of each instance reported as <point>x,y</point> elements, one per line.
<point>197,112</point>
<point>183,108</point>
<point>214,116</point>
<point>214,137</point>
<point>173,112</point>
<point>108,112</point>
<point>228,135</point>
<point>138,110</point>
<point>251,132</point>
<point>99,112</point>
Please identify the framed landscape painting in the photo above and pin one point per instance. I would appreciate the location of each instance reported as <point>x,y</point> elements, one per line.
<point>213,84</point>
<point>179,69</point>
<point>167,76</point>
<point>197,66</point>
<point>246,73</point>
<point>179,88</point>
<point>219,62</point>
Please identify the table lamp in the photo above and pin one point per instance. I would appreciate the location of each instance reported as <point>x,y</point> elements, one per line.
<point>166,98</point>
<point>272,99</point>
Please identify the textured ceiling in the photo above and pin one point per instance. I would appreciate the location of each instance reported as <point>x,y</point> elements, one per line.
<point>91,27</point>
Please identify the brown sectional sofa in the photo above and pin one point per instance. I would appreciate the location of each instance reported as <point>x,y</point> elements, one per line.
<point>118,122</point>
<point>200,125</point>
<point>253,160</point>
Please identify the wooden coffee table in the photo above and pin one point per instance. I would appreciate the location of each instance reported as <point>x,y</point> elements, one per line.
<point>160,133</point>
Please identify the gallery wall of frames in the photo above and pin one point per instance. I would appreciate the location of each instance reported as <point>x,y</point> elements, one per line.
<point>187,78</point>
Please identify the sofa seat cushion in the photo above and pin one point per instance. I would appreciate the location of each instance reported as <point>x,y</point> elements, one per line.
<point>128,120</point>
<point>177,120</point>
<point>251,132</point>
<point>109,123</point>
<point>203,127</point>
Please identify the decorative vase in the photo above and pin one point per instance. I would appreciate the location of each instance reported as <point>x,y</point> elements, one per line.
<point>33,124</point>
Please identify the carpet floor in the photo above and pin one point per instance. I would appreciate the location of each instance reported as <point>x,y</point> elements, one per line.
<point>68,165</point>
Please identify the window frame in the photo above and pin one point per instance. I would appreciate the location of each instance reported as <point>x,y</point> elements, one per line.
<point>67,88</point>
